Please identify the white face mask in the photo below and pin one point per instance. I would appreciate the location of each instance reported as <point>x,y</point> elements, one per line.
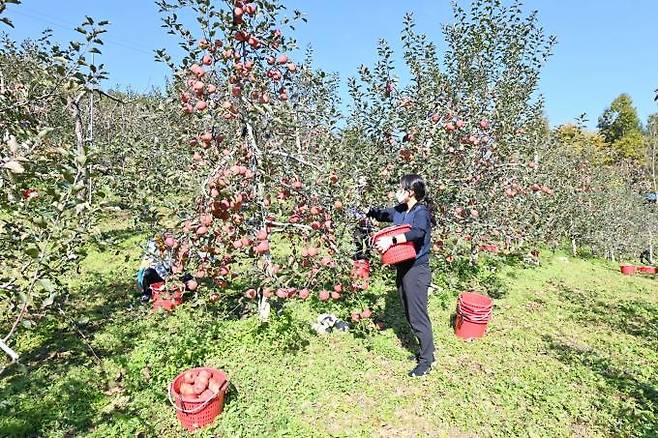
<point>401,196</point>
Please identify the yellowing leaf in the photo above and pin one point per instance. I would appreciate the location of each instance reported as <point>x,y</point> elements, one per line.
<point>14,166</point>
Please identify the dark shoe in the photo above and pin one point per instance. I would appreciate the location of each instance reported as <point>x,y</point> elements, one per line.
<point>421,369</point>
<point>145,299</point>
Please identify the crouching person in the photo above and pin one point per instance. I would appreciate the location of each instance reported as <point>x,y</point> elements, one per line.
<point>156,267</point>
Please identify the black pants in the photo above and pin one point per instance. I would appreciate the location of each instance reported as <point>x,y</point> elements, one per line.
<point>644,257</point>
<point>412,283</point>
<point>150,277</point>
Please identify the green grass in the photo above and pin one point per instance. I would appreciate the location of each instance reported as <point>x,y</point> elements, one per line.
<point>572,351</point>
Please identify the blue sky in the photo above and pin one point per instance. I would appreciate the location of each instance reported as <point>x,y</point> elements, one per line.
<point>605,47</point>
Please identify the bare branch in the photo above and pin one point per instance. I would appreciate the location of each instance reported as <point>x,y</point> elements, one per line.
<point>288,224</point>
<point>292,157</point>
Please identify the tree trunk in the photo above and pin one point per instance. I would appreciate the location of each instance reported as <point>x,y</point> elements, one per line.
<point>654,140</point>
<point>574,249</point>
<point>474,255</point>
<point>263,301</point>
<point>11,353</point>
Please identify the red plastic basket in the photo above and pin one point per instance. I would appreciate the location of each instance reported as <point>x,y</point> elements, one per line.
<point>647,269</point>
<point>628,269</point>
<point>475,302</point>
<point>162,299</point>
<point>473,313</point>
<point>469,330</point>
<point>490,248</point>
<point>396,253</point>
<point>193,413</point>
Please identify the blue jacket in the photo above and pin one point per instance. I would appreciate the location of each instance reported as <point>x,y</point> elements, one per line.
<point>421,226</point>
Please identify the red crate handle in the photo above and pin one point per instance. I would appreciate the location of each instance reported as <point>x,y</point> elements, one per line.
<point>202,405</point>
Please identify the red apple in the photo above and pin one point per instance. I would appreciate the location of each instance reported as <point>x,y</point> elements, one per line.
<point>189,377</point>
<point>250,9</point>
<point>198,86</point>
<point>262,247</point>
<point>186,389</point>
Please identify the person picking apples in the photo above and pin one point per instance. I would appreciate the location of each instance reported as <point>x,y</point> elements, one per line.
<point>413,277</point>
<point>156,265</point>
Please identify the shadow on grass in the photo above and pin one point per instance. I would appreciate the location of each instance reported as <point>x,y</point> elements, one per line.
<point>395,319</point>
<point>638,414</point>
<point>56,385</point>
<point>634,317</point>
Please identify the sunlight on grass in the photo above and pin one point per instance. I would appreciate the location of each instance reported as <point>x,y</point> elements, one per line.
<point>571,350</point>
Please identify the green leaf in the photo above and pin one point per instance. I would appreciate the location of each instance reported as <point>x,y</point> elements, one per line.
<point>32,251</point>
<point>47,285</point>
<point>68,176</point>
<point>48,301</point>
<point>7,21</point>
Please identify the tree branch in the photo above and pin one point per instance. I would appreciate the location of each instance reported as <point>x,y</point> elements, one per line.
<point>292,157</point>
<point>288,224</point>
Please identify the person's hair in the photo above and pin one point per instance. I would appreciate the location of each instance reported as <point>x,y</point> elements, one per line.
<point>415,183</point>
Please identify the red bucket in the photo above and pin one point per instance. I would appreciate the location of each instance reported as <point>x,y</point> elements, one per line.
<point>360,274</point>
<point>628,269</point>
<point>490,248</point>
<point>196,412</point>
<point>162,299</point>
<point>475,302</point>
<point>469,330</point>
<point>400,252</point>
<point>647,269</point>
<point>473,314</point>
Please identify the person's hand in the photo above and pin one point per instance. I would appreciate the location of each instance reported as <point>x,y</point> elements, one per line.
<point>356,213</point>
<point>384,243</point>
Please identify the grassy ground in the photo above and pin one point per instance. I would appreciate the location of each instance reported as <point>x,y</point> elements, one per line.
<point>572,351</point>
